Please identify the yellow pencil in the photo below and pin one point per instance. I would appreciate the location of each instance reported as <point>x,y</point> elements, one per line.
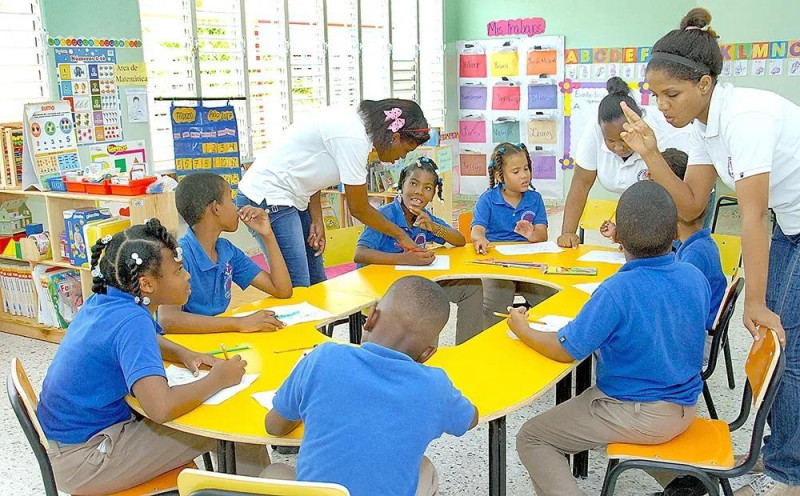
<point>505,316</point>
<point>224,351</point>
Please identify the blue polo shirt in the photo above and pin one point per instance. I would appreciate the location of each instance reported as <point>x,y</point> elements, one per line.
<point>109,346</point>
<point>376,240</point>
<point>700,250</point>
<point>499,218</point>
<point>647,323</point>
<point>369,414</point>
<point>211,282</point>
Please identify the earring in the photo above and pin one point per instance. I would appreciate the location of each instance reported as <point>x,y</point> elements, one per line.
<point>503,186</point>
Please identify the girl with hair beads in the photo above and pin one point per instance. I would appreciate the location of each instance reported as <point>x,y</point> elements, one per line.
<point>418,183</point>
<point>113,348</point>
<point>510,210</point>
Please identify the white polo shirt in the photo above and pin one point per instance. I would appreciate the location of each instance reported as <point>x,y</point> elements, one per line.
<point>752,132</point>
<point>617,175</point>
<point>329,149</point>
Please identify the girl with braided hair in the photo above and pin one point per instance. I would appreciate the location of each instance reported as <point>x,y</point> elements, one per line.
<point>113,348</point>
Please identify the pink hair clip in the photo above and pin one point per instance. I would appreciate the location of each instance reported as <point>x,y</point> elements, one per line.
<point>397,121</point>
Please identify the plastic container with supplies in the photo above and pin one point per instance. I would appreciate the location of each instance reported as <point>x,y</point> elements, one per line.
<point>101,188</point>
<point>75,186</point>
<point>56,184</point>
<point>133,188</point>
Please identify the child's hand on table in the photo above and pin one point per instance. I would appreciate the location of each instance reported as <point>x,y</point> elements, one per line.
<point>256,219</point>
<point>418,257</point>
<point>262,320</point>
<point>194,361</point>
<point>481,246</point>
<point>568,240</point>
<point>518,320</point>
<point>227,373</point>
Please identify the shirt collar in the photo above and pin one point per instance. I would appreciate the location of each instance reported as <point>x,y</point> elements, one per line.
<point>659,261</point>
<point>702,233</point>
<point>113,292</point>
<point>496,196</point>
<point>718,97</point>
<point>198,253</point>
<point>386,352</point>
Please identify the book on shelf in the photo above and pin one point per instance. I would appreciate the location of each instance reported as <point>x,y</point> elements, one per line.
<point>59,293</point>
<point>16,286</point>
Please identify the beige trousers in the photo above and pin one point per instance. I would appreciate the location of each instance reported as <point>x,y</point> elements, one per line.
<point>588,421</point>
<point>467,294</point>
<point>498,295</point>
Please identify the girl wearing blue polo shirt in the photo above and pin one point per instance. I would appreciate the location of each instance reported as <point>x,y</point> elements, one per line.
<point>418,183</point>
<point>510,210</point>
<point>113,348</point>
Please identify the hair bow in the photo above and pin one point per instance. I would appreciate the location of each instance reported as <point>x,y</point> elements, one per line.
<point>397,121</point>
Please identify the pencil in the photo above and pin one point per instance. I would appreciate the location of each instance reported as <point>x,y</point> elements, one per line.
<point>229,350</point>
<point>302,348</point>
<point>505,316</point>
<point>224,351</point>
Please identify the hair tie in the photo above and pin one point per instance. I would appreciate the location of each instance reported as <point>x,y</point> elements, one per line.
<point>703,29</point>
<point>106,239</point>
<point>178,254</point>
<point>96,273</point>
<point>439,181</point>
<point>679,59</point>
<point>136,258</point>
<point>502,149</point>
<point>397,121</point>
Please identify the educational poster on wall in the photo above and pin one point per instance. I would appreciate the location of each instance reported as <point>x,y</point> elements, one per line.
<point>123,155</point>
<point>508,92</point>
<point>206,139</point>
<point>86,81</point>
<point>50,144</point>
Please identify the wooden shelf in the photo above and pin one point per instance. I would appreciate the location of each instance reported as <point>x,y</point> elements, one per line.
<point>29,328</point>
<point>48,261</point>
<point>75,196</point>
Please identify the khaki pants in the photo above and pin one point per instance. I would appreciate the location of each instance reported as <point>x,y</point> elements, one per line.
<point>428,478</point>
<point>130,453</point>
<point>498,295</point>
<point>588,421</point>
<point>467,294</point>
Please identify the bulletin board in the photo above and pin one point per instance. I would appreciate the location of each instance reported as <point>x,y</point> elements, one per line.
<point>509,92</point>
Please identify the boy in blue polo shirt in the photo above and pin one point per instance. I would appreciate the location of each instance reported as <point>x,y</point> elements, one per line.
<point>649,346</point>
<point>418,183</point>
<point>214,263</point>
<point>371,411</point>
<point>510,210</point>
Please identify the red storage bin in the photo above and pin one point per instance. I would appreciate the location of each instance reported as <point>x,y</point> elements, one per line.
<point>75,186</point>
<point>101,188</point>
<point>134,188</point>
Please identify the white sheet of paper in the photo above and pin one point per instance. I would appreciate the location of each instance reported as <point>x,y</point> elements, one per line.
<point>441,262</point>
<point>529,248</point>
<point>264,398</point>
<point>301,312</point>
<point>614,257</point>
<point>245,314</point>
<point>178,376</point>
<point>587,287</point>
<point>552,323</point>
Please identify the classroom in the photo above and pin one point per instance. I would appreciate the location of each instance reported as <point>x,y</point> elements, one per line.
<point>368,247</point>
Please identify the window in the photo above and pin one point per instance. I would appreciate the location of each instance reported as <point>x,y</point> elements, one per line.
<point>23,62</point>
<point>288,58</point>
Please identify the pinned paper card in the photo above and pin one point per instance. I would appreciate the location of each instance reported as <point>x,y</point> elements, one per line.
<point>472,65</point>
<point>794,68</point>
<point>544,167</point>
<point>542,132</point>
<point>505,64</point>
<point>740,68</point>
<point>505,98</point>
<point>473,164</point>
<point>541,62</point>
<point>472,131</point>
<point>472,97</point>
<point>759,68</point>
<point>775,67</point>
<point>505,132</point>
<point>542,96</point>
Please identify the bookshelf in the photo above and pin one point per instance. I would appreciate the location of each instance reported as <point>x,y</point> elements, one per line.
<point>141,207</point>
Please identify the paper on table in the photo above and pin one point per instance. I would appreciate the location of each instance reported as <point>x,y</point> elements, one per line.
<point>178,376</point>
<point>300,312</point>
<point>551,323</point>
<point>441,262</point>
<point>614,257</point>
<point>245,314</point>
<point>587,287</point>
<point>529,248</point>
<point>264,398</point>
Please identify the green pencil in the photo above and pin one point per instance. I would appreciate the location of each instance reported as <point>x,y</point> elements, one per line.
<point>229,350</point>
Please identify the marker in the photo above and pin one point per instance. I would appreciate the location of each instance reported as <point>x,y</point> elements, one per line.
<point>224,351</point>
<point>302,348</point>
<point>285,315</point>
<point>505,316</point>
<point>230,350</point>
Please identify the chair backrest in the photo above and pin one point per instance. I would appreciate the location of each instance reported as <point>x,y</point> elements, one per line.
<point>23,402</point>
<point>341,245</point>
<point>198,483</point>
<point>465,224</point>
<point>720,331</point>
<point>762,363</point>
<point>730,253</point>
<point>596,212</point>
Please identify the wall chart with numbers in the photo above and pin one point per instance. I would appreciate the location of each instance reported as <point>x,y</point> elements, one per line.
<point>508,92</point>
<point>86,81</point>
<point>49,143</point>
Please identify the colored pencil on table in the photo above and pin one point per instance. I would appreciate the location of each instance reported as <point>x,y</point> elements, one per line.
<point>224,351</point>
<point>505,316</point>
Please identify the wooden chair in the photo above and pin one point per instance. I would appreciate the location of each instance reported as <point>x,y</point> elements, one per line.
<point>594,214</point>
<point>465,225</point>
<point>705,450</point>
<point>24,402</point>
<point>730,253</point>
<point>199,483</point>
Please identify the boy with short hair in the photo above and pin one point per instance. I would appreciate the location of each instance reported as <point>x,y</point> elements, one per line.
<point>371,411</point>
<point>649,346</point>
<point>204,201</point>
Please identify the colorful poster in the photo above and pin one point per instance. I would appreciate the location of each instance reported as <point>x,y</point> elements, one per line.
<point>542,62</point>
<point>473,164</point>
<point>505,132</point>
<point>207,139</point>
<point>472,131</point>
<point>543,167</point>
<point>759,67</point>
<point>775,67</point>
<point>123,155</point>
<point>542,97</point>
<point>505,97</point>
<point>86,81</point>
<point>472,97</point>
<point>472,65</point>
<point>542,132</point>
<point>505,63</point>
<point>137,104</point>
<point>50,143</point>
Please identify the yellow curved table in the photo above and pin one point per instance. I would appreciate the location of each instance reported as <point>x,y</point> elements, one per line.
<point>497,373</point>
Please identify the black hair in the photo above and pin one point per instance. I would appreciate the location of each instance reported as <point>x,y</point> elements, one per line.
<point>618,91</point>
<point>647,220</point>
<point>376,122</point>
<point>693,40</point>
<point>677,161</point>
<point>498,158</point>
<point>427,298</point>
<point>197,191</point>
<point>119,268</point>
<point>424,164</point>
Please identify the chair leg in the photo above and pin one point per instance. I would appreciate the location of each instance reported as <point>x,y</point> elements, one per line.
<point>580,235</point>
<point>207,462</point>
<point>712,411</point>
<point>612,462</point>
<point>729,364</point>
<point>726,487</point>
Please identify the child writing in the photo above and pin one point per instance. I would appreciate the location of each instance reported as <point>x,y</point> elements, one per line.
<point>400,405</point>
<point>510,210</point>
<point>649,346</point>
<point>114,348</point>
<point>418,183</point>
<point>204,201</point>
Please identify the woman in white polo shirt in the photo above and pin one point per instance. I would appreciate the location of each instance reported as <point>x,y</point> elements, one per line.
<point>751,140</point>
<point>602,155</point>
<point>286,178</point>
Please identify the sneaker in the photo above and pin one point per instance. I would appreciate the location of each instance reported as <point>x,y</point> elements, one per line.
<point>764,485</point>
<point>685,485</point>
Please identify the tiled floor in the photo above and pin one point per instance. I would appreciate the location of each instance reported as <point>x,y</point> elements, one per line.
<point>461,462</point>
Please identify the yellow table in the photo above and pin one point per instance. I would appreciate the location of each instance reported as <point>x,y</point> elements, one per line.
<point>497,373</point>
